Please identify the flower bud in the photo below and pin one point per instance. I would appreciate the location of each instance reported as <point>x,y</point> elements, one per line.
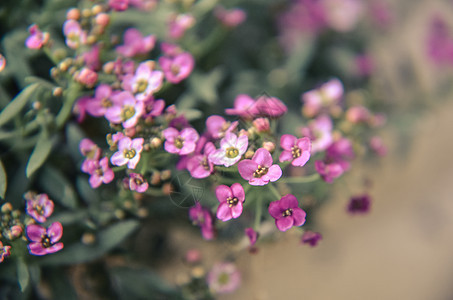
<point>73,14</point>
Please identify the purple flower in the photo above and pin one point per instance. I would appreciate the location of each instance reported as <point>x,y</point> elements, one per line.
<point>231,150</point>
<point>340,152</point>
<point>40,207</point>
<point>217,126</point>
<point>128,152</point>
<point>327,95</point>
<point>199,165</point>
<point>260,169</point>
<point>287,212</point>
<point>125,110</point>
<point>328,171</point>
<point>295,150</point>
<point>270,107</point>
<point>153,108</point>
<point>177,68</point>
<point>137,183</point>
<point>244,107</point>
<point>144,83</point>
<point>44,241</point>
<point>37,38</point>
<point>202,217</point>
<point>359,204</point>
<point>311,238</point>
<point>100,172</point>
<point>252,235</point>
<point>181,143</point>
<point>223,278</point>
<point>231,199</point>
<point>135,43</point>
<point>5,251</point>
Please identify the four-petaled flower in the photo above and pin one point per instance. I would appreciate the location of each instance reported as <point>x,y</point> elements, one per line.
<point>260,169</point>
<point>144,83</point>
<point>311,238</point>
<point>128,152</point>
<point>231,199</point>
<point>231,150</point>
<point>100,172</point>
<point>295,150</point>
<point>181,143</point>
<point>137,183</point>
<point>44,241</point>
<point>224,278</point>
<point>40,207</point>
<point>287,212</point>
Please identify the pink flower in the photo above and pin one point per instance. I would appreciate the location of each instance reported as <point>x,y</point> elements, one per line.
<point>2,62</point>
<point>135,43</point>
<point>343,15</point>
<point>89,149</point>
<point>199,165</point>
<point>231,150</point>
<point>181,143</point>
<point>223,278</point>
<point>5,251</point>
<point>137,183</point>
<point>40,207</point>
<point>217,126</point>
<point>252,235</point>
<point>359,204</point>
<point>261,124</point>
<point>153,108</point>
<point>311,238</point>
<point>327,95</point>
<point>287,212</point>
<point>202,217</point>
<point>144,83</point>
<point>177,68</point>
<point>231,199</point>
<point>91,58</point>
<point>340,152</point>
<point>295,150</point>
<point>328,171</point>
<point>74,34</point>
<point>270,107</point>
<point>179,24</point>
<point>125,110</point>
<point>119,5</point>
<point>320,133</point>
<point>128,152</point>
<point>44,241</point>
<point>260,169</point>
<point>378,146</point>
<point>87,77</point>
<point>98,105</point>
<point>230,18</point>
<point>244,107</point>
<point>358,114</point>
<point>100,172</point>
<point>37,38</point>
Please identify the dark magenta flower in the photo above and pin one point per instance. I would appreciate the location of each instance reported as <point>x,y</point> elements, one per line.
<point>199,165</point>
<point>260,169</point>
<point>44,241</point>
<point>295,150</point>
<point>100,172</point>
<point>287,212</point>
<point>328,171</point>
<point>223,278</point>
<point>231,199</point>
<point>311,238</point>
<point>252,235</point>
<point>359,204</point>
<point>40,207</point>
<point>270,107</point>
<point>5,251</point>
<point>244,107</point>
<point>202,217</point>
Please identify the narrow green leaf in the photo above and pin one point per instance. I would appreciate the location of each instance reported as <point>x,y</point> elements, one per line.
<point>16,105</point>
<point>22,274</point>
<point>107,239</point>
<point>39,154</point>
<point>58,187</point>
<point>3,181</point>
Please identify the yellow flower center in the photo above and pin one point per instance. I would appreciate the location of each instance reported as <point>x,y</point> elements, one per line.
<point>287,212</point>
<point>232,201</point>
<point>142,85</point>
<point>127,112</point>
<point>232,152</point>
<point>179,142</point>
<point>260,171</point>
<point>295,151</point>
<point>129,153</point>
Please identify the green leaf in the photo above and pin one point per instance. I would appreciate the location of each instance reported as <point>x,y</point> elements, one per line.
<point>22,274</point>
<point>3,181</point>
<point>39,154</point>
<point>58,187</point>
<point>107,239</point>
<point>16,105</point>
<point>140,283</point>
<point>205,86</point>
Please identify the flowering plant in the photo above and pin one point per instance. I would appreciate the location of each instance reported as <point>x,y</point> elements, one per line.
<point>156,111</point>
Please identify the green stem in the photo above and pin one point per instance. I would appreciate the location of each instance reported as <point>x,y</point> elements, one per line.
<point>274,191</point>
<point>225,169</point>
<point>258,213</point>
<point>120,168</point>
<point>303,179</point>
<point>66,109</point>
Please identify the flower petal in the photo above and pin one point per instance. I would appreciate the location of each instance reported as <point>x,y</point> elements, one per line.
<point>287,141</point>
<point>224,212</point>
<point>285,156</point>
<point>284,224</point>
<point>274,173</point>
<point>223,192</point>
<point>298,216</point>
<point>262,157</point>
<point>54,232</point>
<point>35,232</point>
<point>276,209</point>
<point>289,201</point>
<point>238,191</point>
<point>246,168</point>
<point>236,210</point>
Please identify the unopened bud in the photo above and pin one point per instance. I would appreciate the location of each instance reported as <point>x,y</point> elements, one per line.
<point>142,212</point>
<point>156,142</point>
<point>108,67</point>
<point>103,19</point>
<point>155,178</point>
<point>7,208</point>
<point>165,175</point>
<point>88,238</point>
<point>120,214</point>
<point>86,13</point>
<point>167,188</point>
<point>73,14</point>
<point>249,154</point>
<point>269,146</point>
<point>57,92</point>
<point>96,9</point>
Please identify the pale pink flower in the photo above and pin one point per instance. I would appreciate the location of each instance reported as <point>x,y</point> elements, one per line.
<point>202,217</point>
<point>295,150</point>
<point>119,5</point>
<point>74,34</point>
<point>144,83</point>
<point>128,152</point>
<point>328,171</point>
<point>230,18</point>
<point>320,133</point>
<point>244,107</point>
<point>358,114</point>
<point>199,165</point>
<point>40,207</point>
<point>125,110</point>
<point>2,62</point>
<point>217,127</point>
<point>179,24</point>
<point>100,172</point>
<point>223,278</point>
<point>327,95</point>
<point>270,107</point>
<point>135,43</point>
<point>181,143</point>
<point>37,38</point>
<point>231,150</point>
<point>260,169</point>
<point>98,105</point>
